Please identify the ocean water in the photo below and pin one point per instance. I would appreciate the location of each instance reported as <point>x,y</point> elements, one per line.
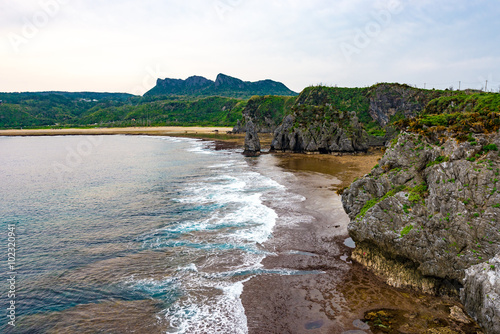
<point>120,234</point>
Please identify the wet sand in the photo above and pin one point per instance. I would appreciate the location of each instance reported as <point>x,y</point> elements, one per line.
<point>344,297</point>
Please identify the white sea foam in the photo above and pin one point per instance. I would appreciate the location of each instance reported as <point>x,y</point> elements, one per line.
<point>201,149</point>
<point>223,313</point>
<point>225,222</point>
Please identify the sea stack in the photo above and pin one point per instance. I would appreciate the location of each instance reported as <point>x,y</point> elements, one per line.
<point>252,142</point>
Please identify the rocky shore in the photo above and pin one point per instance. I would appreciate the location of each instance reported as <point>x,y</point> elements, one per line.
<point>427,217</point>
<point>330,293</point>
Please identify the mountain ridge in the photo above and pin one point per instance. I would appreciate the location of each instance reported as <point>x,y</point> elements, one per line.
<point>224,85</point>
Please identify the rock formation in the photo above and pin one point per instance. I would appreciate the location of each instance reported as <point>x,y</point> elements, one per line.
<point>326,137</point>
<point>266,112</point>
<point>223,85</point>
<point>252,142</point>
<point>427,217</point>
<point>481,294</point>
<point>238,128</point>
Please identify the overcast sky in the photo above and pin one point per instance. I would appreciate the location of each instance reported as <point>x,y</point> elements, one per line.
<point>123,46</point>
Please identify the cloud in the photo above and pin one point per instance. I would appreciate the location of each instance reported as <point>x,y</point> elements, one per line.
<point>95,45</point>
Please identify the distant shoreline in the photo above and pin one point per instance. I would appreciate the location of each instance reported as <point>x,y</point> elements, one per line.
<point>217,134</point>
<point>164,130</point>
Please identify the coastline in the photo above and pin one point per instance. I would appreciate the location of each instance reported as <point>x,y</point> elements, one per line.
<point>334,294</point>
<point>159,131</point>
<point>220,135</point>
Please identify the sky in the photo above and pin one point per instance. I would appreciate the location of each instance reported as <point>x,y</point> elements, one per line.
<point>124,46</point>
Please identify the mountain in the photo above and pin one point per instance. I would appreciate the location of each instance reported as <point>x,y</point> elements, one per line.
<point>223,85</point>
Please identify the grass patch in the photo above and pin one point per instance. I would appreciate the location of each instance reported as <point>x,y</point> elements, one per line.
<point>374,201</point>
<point>438,160</point>
<point>418,193</point>
<point>406,230</point>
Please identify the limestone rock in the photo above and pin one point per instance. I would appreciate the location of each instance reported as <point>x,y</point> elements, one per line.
<point>238,128</point>
<point>325,137</point>
<point>481,294</point>
<point>252,142</point>
<point>428,214</point>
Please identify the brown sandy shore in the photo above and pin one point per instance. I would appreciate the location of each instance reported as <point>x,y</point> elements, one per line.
<point>166,130</point>
<point>338,296</point>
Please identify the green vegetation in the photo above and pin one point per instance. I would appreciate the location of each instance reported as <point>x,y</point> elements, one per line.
<point>418,193</point>
<point>438,160</point>
<point>197,102</point>
<point>117,110</point>
<point>264,109</point>
<point>374,201</point>
<point>320,104</point>
<point>211,111</point>
<point>460,114</point>
<point>406,230</point>
<point>490,147</point>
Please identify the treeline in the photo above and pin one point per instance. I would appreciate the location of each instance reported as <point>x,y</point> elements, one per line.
<point>60,109</point>
<point>378,108</point>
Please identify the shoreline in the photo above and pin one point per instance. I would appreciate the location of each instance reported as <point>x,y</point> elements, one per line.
<point>219,135</point>
<point>334,294</point>
<point>163,130</point>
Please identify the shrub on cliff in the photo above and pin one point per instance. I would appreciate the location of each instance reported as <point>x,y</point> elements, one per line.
<point>459,115</point>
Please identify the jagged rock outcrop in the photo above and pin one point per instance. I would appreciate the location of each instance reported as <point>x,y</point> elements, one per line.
<point>252,142</point>
<point>481,294</point>
<point>223,85</point>
<point>428,212</point>
<point>387,100</point>
<point>239,128</point>
<point>266,112</point>
<point>326,137</point>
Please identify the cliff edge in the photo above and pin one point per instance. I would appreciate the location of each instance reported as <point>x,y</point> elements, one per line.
<point>428,215</point>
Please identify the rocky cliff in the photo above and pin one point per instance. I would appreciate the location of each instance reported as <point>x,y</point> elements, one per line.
<point>389,102</point>
<point>322,137</point>
<point>324,120</point>
<point>332,119</point>
<point>223,85</point>
<point>429,213</point>
<point>266,112</point>
<point>481,293</point>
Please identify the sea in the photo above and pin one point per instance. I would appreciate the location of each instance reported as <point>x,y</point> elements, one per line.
<point>130,234</point>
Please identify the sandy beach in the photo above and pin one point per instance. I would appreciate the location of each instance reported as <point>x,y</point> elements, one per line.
<point>166,130</point>
<point>218,134</point>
